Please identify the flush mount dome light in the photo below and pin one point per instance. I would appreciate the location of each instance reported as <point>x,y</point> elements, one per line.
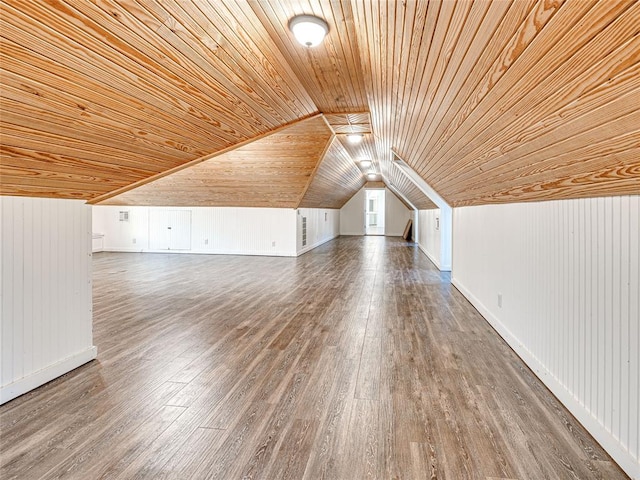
<point>372,176</point>
<point>365,163</point>
<point>308,30</point>
<point>354,138</point>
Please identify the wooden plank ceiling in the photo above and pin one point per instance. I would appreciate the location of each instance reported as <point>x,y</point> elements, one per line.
<point>489,101</point>
<point>336,180</point>
<point>273,171</point>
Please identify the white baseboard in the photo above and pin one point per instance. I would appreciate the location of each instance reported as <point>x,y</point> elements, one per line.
<point>316,245</point>
<point>613,447</point>
<point>35,379</point>
<point>442,268</point>
<point>429,256</point>
<point>259,253</point>
<point>256,253</point>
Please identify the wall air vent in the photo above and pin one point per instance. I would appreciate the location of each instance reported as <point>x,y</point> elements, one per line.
<point>124,215</point>
<point>304,231</point>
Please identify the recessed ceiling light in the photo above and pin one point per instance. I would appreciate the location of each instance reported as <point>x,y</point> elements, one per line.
<point>354,138</point>
<point>365,163</point>
<point>308,30</point>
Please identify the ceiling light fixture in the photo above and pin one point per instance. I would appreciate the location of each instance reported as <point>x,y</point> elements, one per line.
<point>354,138</point>
<point>308,30</point>
<point>365,163</point>
<point>372,176</point>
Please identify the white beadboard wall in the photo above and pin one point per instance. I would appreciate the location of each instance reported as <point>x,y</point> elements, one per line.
<point>396,215</point>
<point>323,225</point>
<point>214,230</point>
<point>568,274</point>
<point>46,313</point>
<point>352,215</point>
<point>429,235</point>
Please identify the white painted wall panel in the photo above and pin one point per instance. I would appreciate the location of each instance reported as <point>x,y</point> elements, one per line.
<point>568,275</point>
<point>244,231</point>
<point>323,225</point>
<point>429,234</point>
<point>122,236</point>
<point>352,215</point>
<point>396,214</point>
<point>353,212</point>
<point>214,230</point>
<point>46,319</point>
<point>169,229</point>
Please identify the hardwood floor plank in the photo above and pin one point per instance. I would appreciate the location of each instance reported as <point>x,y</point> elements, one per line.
<point>356,360</point>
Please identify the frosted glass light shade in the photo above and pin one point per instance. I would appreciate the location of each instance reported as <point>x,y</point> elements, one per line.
<point>354,138</point>
<point>308,30</point>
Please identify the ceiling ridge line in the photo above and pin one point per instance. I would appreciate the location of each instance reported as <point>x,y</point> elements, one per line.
<point>321,158</point>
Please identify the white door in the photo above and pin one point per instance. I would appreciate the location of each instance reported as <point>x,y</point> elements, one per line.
<point>374,212</point>
<point>170,229</point>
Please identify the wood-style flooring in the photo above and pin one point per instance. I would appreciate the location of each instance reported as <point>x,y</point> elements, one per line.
<point>356,360</point>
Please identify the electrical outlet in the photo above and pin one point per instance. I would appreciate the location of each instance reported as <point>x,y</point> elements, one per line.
<point>134,240</point>
<point>500,300</point>
<point>206,241</point>
<point>273,244</point>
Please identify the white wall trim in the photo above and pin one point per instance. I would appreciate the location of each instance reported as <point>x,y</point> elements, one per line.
<point>316,245</point>
<point>53,371</point>
<point>624,458</point>
<point>446,211</point>
<point>398,193</point>
<point>429,256</point>
<point>210,230</point>
<point>256,253</point>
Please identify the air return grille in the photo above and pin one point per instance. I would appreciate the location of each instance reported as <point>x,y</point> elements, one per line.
<point>304,231</point>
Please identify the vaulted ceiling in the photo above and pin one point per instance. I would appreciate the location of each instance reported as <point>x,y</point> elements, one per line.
<point>214,103</point>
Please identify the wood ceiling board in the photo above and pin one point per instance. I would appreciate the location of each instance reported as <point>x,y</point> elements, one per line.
<point>482,97</point>
<point>330,72</point>
<point>471,92</point>
<point>601,96</point>
<point>335,182</point>
<point>562,85</point>
<point>402,200</point>
<point>400,182</point>
<point>26,113</point>
<point>500,46</point>
<point>547,51</point>
<point>602,160</point>
<point>567,140</point>
<point>453,55</point>
<point>345,123</point>
<point>623,178</point>
<point>309,125</point>
<point>69,151</point>
<point>146,81</point>
<point>230,50</point>
<point>272,171</point>
<point>18,161</point>
<point>63,39</point>
<point>38,78</point>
